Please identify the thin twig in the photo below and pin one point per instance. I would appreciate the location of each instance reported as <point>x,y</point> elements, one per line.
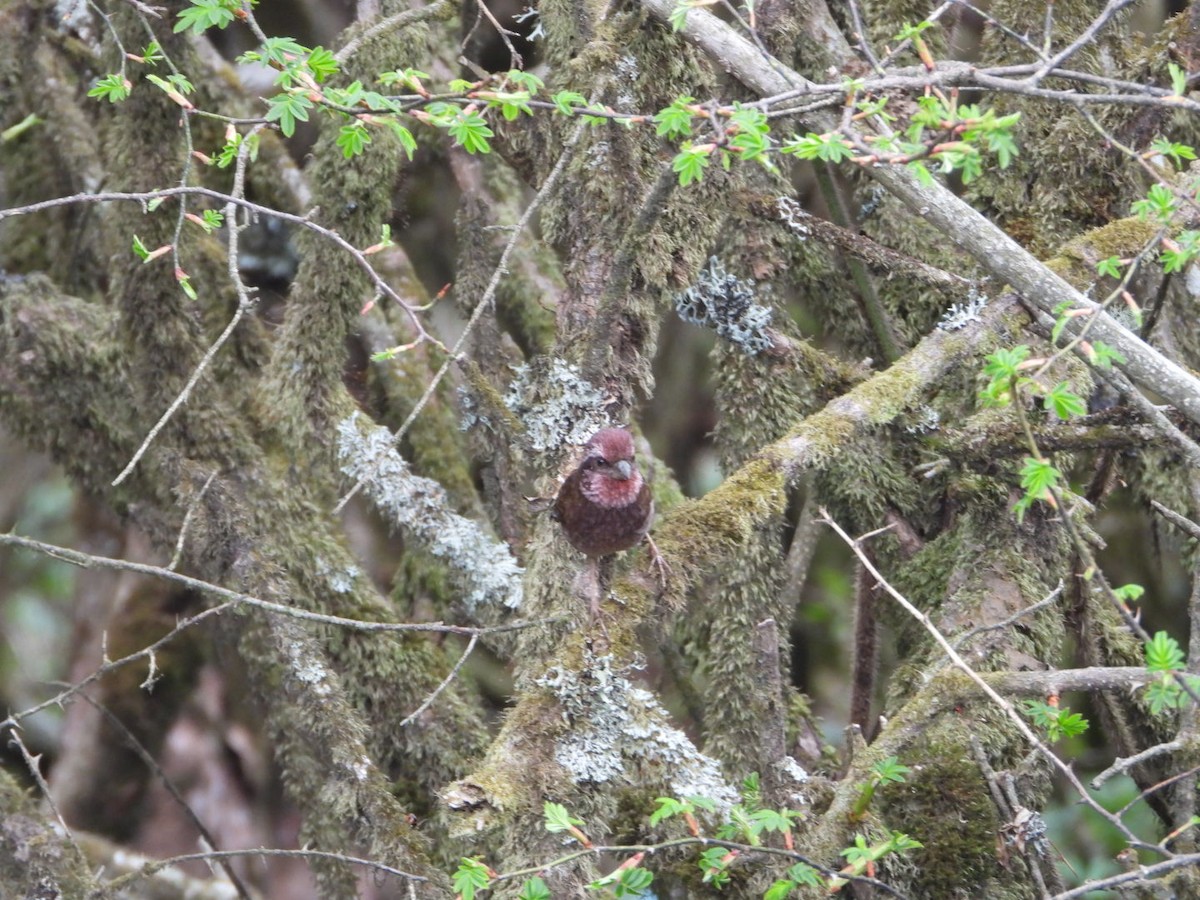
<point>144,755</point>
<point>445,683</point>
<point>1049,599</point>
<point>1139,874</point>
<point>1177,519</point>
<point>187,521</point>
<point>144,197</point>
<point>399,20</point>
<point>88,561</point>
<point>1003,704</point>
<point>152,867</point>
<point>485,301</point>
<point>33,763</point>
<point>245,304</point>
<point>1085,37</point>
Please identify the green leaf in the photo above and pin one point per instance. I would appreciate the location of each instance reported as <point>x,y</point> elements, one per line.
<point>228,153</point>
<point>713,864</point>
<point>890,770</point>
<point>202,15</point>
<point>667,807</point>
<point>1057,722</point>
<point>470,877</point>
<point>407,141</point>
<point>678,17</point>
<point>1110,267</point>
<point>211,220</point>
<point>287,110</point>
<point>1069,725</point>
<point>831,147</point>
<point>751,132</point>
<point>804,874</point>
<point>534,889</point>
<point>322,63</point>
<point>1178,153</point>
<point>185,283</point>
<point>1004,146</point>
<point>139,249</point>
<point>1163,695</point>
<point>152,54</point>
<point>352,139</point>
<point>557,818</point>
<point>860,852</point>
<point>922,172</point>
<point>1003,363</point>
<point>1163,654</point>
<point>566,102</point>
<point>1038,476</point>
<point>1061,322</point>
<point>512,104</point>
<point>908,31</point>
<point>376,102</point>
<point>1103,356</point>
<point>1186,248</point>
<point>690,163</point>
<point>874,106</point>
<point>1023,506</point>
<point>526,80</point>
<point>113,88</point>
<point>1158,204</point>
<point>675,121</point>
<point>901,842</point>
<point>1178,79</point>
<point>173,84</point>
<point>279,52</point>
<point>471,132</point>
<point>1064,402</point>
<point>409,78</point>
<point>633,882</point>
<point>1129,593</point>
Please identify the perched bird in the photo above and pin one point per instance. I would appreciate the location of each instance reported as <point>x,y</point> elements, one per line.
<point>604,506</point>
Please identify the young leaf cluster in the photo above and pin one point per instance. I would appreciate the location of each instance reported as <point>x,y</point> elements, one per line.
<point>1058,722</point>
<point>1006,386</point>
<point>1165,659</point>
<point>887,771</point>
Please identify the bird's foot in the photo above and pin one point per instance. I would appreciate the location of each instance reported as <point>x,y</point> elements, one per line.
<point>659,562</point>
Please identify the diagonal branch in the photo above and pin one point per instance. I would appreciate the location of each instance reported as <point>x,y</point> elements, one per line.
<point>954,218</point>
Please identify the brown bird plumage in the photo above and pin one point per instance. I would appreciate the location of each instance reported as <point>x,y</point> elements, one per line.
<point>605,505</point>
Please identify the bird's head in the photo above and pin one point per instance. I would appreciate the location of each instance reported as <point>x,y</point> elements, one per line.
<point>610,476</point>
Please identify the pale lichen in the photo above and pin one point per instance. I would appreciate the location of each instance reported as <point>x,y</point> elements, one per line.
<point>483,566</point>
<point>556,404</point>
<point>725,303</point>
<point>616,726</point>
<point>960,315</point>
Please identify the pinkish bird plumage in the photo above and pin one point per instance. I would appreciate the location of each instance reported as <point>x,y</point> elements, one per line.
<point>605,505</point>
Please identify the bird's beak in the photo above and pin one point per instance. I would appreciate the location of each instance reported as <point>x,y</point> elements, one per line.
<point>623,469</point>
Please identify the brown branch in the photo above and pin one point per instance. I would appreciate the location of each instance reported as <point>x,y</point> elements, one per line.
<point>957,220</point>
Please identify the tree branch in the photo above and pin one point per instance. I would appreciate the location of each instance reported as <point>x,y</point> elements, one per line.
<point>957,220</point>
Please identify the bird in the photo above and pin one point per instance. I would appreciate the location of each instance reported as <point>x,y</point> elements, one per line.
<point>604,506</point>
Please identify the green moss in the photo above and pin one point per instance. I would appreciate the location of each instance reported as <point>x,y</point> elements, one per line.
<point>434,442</point>
<point>946,793</point>
<point>37,860</point>
<point>726,516</point>
<point>355,200</point>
